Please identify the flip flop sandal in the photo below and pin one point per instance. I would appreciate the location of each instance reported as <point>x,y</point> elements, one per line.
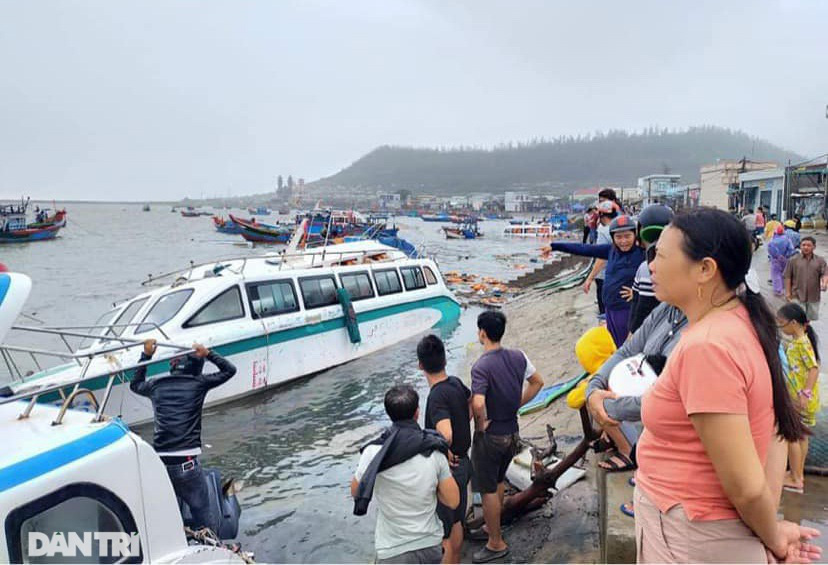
<point>628,510</point>
<point>631,482</point>
<point>485,555</point>
<point>614,467</point>
<point>791,488</point>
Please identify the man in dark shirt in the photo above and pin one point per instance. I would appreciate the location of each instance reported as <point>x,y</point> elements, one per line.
<point>448,410</point>
<point>177,401</point>
<point>498,393</point>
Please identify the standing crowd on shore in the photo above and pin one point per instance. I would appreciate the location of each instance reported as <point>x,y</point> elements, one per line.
<point>715,439</point>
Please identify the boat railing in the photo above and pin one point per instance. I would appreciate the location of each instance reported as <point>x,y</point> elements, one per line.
<point>85,361</point>
<point>70,354</point>
<point>278,258</point>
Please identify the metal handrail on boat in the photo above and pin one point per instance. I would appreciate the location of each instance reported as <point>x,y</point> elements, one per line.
<point>268,258</point>
<point>67,402</point>
<point>125,343</point>
<point>112,374</point>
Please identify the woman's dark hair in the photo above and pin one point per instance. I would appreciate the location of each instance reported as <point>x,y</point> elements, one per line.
<point>401,403</point>
<point>795,313</point>
<point>609,194</point>
<point>493,322</point>
<point>431,353</point>
<point>716,234</point>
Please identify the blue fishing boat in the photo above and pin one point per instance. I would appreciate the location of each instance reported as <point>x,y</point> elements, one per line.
<point>226,226</point>
<point>14,229</point>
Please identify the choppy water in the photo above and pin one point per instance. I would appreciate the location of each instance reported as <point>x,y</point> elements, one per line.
<point>295,447</point>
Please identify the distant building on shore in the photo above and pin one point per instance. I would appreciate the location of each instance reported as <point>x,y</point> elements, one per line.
<point>658,188</point>
<point>765,188</point>
<point>389,201</point>
<point>806,186</point>
<point>720,181</point>
<point>586,196</point>
<point>517,201</point>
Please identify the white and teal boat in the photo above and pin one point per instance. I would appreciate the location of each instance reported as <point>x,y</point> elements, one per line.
<point>277,317</point>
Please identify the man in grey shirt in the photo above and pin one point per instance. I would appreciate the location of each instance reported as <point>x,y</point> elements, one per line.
<point>408,529</point>
<point>656,338</point>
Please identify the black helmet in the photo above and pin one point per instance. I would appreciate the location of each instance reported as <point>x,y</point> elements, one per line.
<point>652,221</point>
<point>622,223</point>
<point>190,364</point>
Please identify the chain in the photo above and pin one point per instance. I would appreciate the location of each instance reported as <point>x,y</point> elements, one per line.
<point>206,536</point>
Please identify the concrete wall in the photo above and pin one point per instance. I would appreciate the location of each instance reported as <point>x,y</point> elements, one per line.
<point>715,180</point>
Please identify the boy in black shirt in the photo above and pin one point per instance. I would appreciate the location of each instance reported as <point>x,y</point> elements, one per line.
<point>448,411</point>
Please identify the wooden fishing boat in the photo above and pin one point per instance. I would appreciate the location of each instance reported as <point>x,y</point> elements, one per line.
<point>468,230</point>
<point>56,219</point>
<point>256,232</point>
<point>14,229</point>
<point>226,226</point>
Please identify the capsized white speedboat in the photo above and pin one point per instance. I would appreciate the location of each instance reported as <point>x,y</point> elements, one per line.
<point>277,317</point>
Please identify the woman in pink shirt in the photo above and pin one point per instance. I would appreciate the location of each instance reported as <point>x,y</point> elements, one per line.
<point>710,460</point>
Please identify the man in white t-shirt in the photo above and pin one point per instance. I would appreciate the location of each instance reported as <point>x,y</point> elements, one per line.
<point>408,529</point>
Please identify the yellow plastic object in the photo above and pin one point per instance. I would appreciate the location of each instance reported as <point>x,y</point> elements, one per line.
<point>577,396</point>
<point>790,224</point>
<point>593,348</point>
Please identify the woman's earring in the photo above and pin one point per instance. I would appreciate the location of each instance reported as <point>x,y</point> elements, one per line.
<point>699,292</point>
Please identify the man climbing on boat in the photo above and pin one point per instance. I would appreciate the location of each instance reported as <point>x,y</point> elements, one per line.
<point>177,402</point>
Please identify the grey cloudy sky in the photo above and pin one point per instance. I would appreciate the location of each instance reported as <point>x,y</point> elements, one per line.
<point>147,100</point>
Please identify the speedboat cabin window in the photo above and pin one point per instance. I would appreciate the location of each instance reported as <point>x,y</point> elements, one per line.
<point>413,278</point>
<point>100,328</point>
<point>272,298</point>
<point>388,282</point>
<point>162,311</point>
<point>76,511</point>
<point>431,278</point>
<point>358,285</point>
<point>121,323</point>
<point>318,291</point>
<point>226,306</point>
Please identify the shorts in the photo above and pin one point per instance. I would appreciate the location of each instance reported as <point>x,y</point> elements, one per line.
<point>449,517</point>
<point>491,456</point>
<point>433,554</point>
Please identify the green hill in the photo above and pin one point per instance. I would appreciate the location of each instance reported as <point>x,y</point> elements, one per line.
<point>612,158</point>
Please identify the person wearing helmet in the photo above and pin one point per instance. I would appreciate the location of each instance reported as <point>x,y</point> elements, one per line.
<point>780,249</point>
<point>623,257</point>
<point>651,222</point>
<point>606,213</point>
<point>792,233</point>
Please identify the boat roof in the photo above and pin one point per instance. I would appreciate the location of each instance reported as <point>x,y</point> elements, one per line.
<point>34,446</point>
<point>286,261</point>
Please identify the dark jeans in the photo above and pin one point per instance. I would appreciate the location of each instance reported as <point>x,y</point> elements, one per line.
<point>599,292</point>
<point>190,487</point>
<point>449,517</point>
<point>586,234</point>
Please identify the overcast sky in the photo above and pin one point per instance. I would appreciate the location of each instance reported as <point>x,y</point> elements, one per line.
<point>147,100</point>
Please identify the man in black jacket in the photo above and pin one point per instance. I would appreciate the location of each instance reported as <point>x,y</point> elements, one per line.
<point>177,401</point>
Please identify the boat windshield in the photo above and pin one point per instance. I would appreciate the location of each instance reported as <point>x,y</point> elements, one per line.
<point>101,327</point>
<point>126,317</point>
<point>163,310</point>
